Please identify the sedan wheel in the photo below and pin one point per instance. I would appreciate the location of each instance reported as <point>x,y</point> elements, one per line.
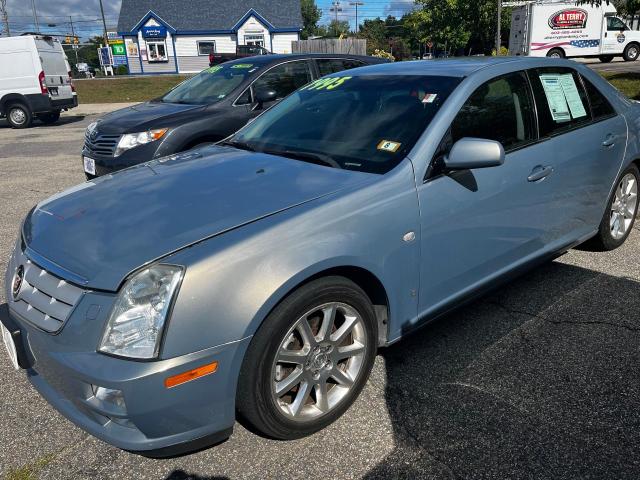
<point>624,207</point>
<point>309,360</point>
<point>318,361</point>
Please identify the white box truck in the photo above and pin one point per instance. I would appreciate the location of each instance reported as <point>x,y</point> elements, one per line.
<point>562,29</point>
<point>35,80</point>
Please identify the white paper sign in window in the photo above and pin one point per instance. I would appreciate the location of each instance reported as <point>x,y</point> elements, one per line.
<point>563,97</point>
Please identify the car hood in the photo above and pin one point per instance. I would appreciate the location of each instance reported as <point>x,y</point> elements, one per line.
<point>144,116</point>
<point>98,232</point>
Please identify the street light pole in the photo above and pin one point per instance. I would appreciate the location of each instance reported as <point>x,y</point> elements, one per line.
<point>104,24</point>
<point>73,33</point>
<point>357,4</point>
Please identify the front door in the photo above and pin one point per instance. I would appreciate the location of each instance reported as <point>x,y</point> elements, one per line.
<point>476,224</point>
<point>614,37</point>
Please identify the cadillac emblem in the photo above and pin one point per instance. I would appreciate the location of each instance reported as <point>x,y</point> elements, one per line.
<point>17,282</point>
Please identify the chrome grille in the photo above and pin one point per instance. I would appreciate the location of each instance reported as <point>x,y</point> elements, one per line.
<point>44,299</point>
<point>102,145</point>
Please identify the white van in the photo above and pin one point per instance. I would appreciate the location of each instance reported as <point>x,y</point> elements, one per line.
<point>35,80</point>
<point>562,29</point>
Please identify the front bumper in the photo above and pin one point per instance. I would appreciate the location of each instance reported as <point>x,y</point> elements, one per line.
<point>106,164</point>
<point>153,420</point>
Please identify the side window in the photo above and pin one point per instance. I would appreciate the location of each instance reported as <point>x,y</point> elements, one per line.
<point>327,66</point>
<point>600,106</point>
<point>245,98</point>
<point>500,110</point>
<point>284,78</point>
<point>614,24</point>
<point>561,100</point>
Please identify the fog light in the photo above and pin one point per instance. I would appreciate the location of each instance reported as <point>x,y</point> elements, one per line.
<point>109,396</point>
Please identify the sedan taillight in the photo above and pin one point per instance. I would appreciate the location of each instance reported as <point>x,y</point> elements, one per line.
<point>43,85</point>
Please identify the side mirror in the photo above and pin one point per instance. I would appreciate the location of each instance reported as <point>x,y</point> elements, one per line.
<point>265,96</point>
<point>471,153</point>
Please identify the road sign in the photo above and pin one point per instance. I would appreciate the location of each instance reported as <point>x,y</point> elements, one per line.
<point>105,57</point>
<point>118,49</point>
<point>119,60</point>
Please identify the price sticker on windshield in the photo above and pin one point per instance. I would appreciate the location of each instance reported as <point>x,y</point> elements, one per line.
<point>389,146</point>
<point>327,83</point>
<point>214,69</point>
<point>242,65</point>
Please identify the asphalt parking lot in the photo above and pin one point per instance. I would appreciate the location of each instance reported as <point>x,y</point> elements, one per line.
<point>539,380</point>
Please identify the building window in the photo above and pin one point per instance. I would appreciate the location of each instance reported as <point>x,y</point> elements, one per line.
<point>157,51</point>
<point>253,39</point>
<point>205,48</point>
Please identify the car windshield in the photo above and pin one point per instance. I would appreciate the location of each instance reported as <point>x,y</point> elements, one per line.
<point>363,123</point>
<point>211,85</point>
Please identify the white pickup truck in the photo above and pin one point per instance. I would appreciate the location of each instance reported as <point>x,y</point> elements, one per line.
<point>562,29</point>
<point>35,80</point>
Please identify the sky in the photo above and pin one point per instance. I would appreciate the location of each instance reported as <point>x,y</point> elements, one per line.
<point>53,16</point>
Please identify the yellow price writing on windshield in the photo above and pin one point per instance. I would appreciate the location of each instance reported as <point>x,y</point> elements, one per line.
<point>326,83</point>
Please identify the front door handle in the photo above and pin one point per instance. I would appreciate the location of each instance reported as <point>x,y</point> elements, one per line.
<point>540,173</point>
<point>609,141</point>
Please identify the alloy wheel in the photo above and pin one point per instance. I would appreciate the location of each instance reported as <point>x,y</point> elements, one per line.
<point>318,361</point>
<point>17,116</point>
<point>624,206</point>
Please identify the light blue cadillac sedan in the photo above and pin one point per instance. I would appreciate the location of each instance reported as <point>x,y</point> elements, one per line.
<point>256,279</point>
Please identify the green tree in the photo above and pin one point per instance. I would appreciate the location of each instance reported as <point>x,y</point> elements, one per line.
<point>337,28</point>
<point>443,22</point>
<point>310,16</point>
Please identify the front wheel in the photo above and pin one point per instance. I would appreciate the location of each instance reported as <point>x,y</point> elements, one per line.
<point>309,360</point>
<point>620,215</point>
<point>631,53</point>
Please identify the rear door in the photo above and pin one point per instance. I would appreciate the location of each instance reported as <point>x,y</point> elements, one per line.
<point>587,148</point>
<point>55,66</point>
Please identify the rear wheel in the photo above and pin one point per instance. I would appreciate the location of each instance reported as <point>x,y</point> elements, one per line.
<point>631,53</point>
<point>309,360</point>
<point>620,215</point>
<point>49,117</point>
<point>556,53</point>
<point>19,116</point>
<point>606,58</point>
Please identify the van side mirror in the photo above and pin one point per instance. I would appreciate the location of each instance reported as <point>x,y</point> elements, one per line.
<point>265,96</point>
<point>471,153</point>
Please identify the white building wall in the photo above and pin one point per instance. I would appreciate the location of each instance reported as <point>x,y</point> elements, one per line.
<point>282,42</point>
<point>254,27</point>
<point>187,45</point>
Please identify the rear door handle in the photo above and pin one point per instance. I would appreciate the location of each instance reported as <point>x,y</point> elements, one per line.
<point>540,173</point>
<point>609,141</point>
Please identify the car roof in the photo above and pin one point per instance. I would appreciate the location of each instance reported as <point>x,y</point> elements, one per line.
<point>455,67</point>
<point>279,57</point>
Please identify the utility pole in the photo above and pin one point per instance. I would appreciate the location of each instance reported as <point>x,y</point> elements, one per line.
<point>498,26</point>
<point>35,15</point>
<point>5,16</point>
<point>104,24</point>
<point>73,34</point>
<point>335,8</point>
<point>357,4</point>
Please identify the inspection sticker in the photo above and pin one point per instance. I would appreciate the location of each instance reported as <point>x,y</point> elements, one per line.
<point>430,98</point>
<point>388,146</point>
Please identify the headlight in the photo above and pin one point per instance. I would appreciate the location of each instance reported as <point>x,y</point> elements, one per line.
<point>132,140</point>
<point>135,327</point>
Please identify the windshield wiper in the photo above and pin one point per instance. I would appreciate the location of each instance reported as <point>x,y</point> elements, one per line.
<point>238,145</point>
<point>306,156</point>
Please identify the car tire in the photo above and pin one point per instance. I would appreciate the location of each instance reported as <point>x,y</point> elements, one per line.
<point>19,115</point>
<point>49,117</point>
<point>606,58</point>
<point>268,398</point>
<point>631,52</point>
<point>556,53</point>
<point>619,217</point>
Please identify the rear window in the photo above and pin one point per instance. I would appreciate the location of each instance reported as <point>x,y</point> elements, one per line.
<point>600,106</point>
<point>561,100</point>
